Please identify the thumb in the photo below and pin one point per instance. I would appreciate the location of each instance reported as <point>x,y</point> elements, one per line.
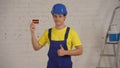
<point>61,47</point>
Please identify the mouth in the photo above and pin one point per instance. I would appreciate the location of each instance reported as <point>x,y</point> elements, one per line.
<point>57,21</point>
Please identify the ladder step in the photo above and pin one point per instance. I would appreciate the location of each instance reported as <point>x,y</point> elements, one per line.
<point>107,55</point>
<point>112,42</point>
<point>103,67</point>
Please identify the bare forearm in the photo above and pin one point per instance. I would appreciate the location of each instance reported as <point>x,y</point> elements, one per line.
<point>75,52</point>
<point>35,44</point>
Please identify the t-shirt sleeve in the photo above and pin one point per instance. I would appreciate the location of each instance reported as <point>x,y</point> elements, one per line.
<point>75,39</point>
<point>43,39</point>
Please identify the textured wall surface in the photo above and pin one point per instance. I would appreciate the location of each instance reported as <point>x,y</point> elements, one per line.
<point>90,18</point>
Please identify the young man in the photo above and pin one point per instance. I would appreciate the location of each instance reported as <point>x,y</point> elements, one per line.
<point>60,38</point>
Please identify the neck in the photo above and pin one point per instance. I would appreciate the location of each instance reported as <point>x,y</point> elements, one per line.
<point>59,26</point>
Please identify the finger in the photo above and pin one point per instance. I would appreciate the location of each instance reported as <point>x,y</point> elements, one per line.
<point>31,24</point>
<point>61,47</point>
<point>32,27</point>
<point>58,52</point>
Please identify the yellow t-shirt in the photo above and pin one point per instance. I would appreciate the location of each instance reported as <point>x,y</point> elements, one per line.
<point>58,35</point>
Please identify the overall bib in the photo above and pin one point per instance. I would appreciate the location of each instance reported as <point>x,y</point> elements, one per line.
<point>56,61</point>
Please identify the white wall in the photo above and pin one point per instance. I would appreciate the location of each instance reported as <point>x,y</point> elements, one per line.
<point>90,18</point>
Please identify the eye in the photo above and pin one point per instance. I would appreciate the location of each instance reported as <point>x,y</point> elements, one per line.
<point>54,16</point>
<point>60,16</point>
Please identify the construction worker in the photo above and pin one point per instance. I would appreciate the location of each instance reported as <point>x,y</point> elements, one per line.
<point>61,39</point>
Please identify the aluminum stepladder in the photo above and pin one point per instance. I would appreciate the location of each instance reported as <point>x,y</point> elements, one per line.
<point>114,44</point>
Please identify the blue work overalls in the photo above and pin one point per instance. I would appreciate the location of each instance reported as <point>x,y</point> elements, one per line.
<point>56,61</point>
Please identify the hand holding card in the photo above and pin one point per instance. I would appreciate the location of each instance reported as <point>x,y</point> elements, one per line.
<point>35,21</point>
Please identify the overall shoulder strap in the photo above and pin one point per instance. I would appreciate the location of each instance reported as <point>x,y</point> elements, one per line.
<point>49,33</point>
<point>67,32</point>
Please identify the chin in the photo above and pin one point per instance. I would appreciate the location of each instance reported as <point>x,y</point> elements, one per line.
<point>58,23</point>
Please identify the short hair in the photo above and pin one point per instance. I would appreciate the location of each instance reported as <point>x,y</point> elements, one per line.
<point>62,14</point>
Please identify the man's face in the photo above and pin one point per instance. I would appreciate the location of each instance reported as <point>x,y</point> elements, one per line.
<point>59,19</point>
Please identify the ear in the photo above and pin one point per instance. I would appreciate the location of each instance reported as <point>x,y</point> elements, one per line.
<point>64,18</point>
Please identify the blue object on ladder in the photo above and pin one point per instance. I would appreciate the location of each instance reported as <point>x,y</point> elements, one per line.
<point>114,37</point>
